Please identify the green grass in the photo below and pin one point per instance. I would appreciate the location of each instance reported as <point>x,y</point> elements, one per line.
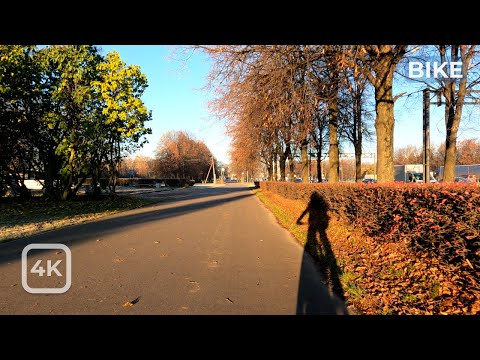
<point>408,298</point>
<point>283,218</point>
<point>435,290</point>
<point>24,218</point>
<point>349,286</point>
<point>385,311</point>
<point>394,272</point>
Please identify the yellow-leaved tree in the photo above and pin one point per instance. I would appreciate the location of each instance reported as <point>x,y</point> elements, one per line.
<point>120,89</point>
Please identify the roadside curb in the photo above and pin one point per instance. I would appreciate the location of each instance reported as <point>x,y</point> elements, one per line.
<point>148,191</point>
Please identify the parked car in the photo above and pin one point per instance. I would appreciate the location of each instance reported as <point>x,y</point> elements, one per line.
<point>463,180</point>
<point>470,177</point>
<point>369,181</point>
<point>297,180</point>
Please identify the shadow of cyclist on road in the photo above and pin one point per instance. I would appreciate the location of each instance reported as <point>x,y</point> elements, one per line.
<point>318,245</point>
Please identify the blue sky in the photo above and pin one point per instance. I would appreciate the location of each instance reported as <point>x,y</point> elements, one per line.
<point>177,102</point>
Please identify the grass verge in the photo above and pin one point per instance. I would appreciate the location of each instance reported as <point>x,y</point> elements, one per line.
<point>283,217</point>
<point>20,219</point>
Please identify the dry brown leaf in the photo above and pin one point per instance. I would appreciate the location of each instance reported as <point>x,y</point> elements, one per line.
<point>131,303</point>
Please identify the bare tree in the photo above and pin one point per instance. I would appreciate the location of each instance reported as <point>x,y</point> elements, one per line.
<point>354,117</point>
<point>180,155</point>
<point>437,156</point>
<point>319,139</point>
<point>468,152</point>
<point>409,154</point>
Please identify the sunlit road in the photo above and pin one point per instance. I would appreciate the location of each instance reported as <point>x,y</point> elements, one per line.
<point>202,250</point>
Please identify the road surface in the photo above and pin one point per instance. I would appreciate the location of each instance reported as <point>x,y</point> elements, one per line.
<point>202,250</point>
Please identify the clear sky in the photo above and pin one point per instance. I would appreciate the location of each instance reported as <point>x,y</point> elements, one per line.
<point>178,103</point>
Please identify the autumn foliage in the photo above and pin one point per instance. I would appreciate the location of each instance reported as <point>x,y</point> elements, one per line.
<point>180,155</point>
<point>437,226</point>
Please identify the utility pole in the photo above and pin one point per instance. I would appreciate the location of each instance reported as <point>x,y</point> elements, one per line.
<point>214,175</point>
<point>426,136</point>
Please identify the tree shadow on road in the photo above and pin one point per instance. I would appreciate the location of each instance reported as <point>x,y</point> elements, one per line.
<point>317,246</point>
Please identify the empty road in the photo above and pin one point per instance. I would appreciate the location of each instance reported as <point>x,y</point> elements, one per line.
<point>202,250</point>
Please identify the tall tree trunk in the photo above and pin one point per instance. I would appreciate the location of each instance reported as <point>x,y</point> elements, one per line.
<point>333,152</point>
<point>282,164</point>
<point>305,170</point>
<point>384,125</point>
<point>48,182</point>
<point>269,170</point>
<point>67,191</point>
<point>116,165</point>
<point>290,166</point>
<point>319,162</point>
<point>451,139</point>
<point>358,163</point>
<point>274,167</point>
<point>96,179</point>
<point>77,186</point>
<point>358,139</point>
<point>453,113</point>
<point>113,165</point>
<point>51,189</point>
<point>66,195</point>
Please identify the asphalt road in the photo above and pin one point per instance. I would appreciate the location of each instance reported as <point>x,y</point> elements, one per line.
<point>202,250</point>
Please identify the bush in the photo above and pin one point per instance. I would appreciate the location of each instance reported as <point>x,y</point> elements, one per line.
<point>123,181</point>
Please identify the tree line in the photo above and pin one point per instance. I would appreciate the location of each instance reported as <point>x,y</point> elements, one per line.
<point>67,113</point>
<point>285,101</point>
<point>178,155</point>
<point>468,153</point>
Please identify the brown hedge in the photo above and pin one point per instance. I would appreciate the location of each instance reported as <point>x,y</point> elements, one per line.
<point>438,222</point>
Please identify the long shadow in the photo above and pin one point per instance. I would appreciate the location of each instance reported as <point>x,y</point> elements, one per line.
<point>319,248</point>
<point>198,193</point>
<point>82,206</point>
<point>75,234</point>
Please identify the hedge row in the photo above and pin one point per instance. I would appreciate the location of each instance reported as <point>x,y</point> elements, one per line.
<point>436,221</point>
